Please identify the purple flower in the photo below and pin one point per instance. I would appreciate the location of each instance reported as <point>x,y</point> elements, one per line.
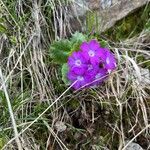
<point>81,80</point>
<point>91,51</point>
<point>90,65</point>
<point>92,69</point>
<point>109,60</point>
<point>100,76</point>
<point>77,63</point>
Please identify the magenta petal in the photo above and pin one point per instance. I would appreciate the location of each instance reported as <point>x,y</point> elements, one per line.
<point>110,62</point>
<point>70,61</point>
<point>81,82</point>
<point>86,56</point>
<point>71,76</point>
<point>82,58</point>
<point>76,59</point>
<point>84,46</point>
<point>95,60</point>
<point>74,55</point>
<point>100,76</point>
<point>76,85</point>
<point>93,69</point>
<point>108,59</point>
<point>79,70</point>
<point>94,45</point>
<point>101,53</point>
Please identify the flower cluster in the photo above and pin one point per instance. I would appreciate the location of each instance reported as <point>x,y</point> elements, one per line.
<point>90,65</point>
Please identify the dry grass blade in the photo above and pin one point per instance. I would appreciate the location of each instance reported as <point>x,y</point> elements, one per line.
<point>100,117</point>
<point>39,115</point>
<point>137,69</point>
<point>147,127</point>
<point>61,144</point>
<point>11,112</point>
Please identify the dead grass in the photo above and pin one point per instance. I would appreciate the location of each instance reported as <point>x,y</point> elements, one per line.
<point>105,116</point>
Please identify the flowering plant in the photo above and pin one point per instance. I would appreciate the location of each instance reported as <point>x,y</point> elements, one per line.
<point>88,66</point>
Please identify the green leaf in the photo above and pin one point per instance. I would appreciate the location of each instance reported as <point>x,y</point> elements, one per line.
<point>103,43</point>
<point>76,41</point>
<point>60,50</point>
<point>2,142</point>
<point>78,38</point>
<point>75,47</point>
<point>147,26</point>
<point>64,71</point>
<point>2,29</point>
<point>2,96</point>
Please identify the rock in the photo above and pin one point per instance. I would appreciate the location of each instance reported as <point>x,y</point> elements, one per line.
<point>60,126</point>
<point>134,146</point>
<point>105,3</point>
<point>145,73</point>
<point>118,11</point>
<point>108,12</point>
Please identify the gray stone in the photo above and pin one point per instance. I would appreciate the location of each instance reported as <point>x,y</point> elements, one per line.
<point>145,73</point>
<point>108,11</point>
<point>105,3</point>
<point>118,11</point>
<point>134,146</point>
<point>60,126</point>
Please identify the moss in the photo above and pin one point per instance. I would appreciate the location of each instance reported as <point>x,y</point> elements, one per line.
<point>92,22</point>
<point>131,25</point>
<point>73,104</point>
<point>3,138</point>
<point>145,63</point>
